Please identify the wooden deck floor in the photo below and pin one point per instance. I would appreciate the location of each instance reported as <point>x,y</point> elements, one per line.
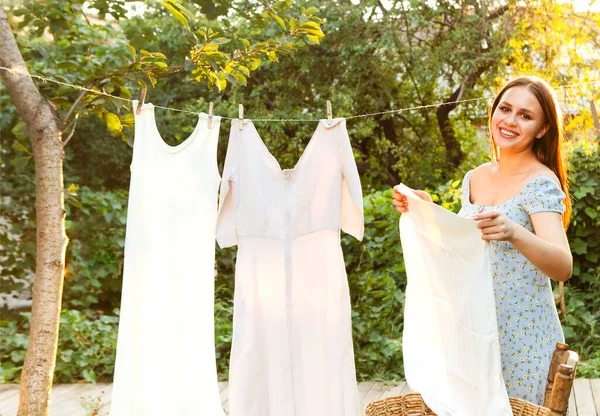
<point>85,399</point>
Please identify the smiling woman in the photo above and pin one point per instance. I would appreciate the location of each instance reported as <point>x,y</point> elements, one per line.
<point>520,201</point>
<point>519,126</point>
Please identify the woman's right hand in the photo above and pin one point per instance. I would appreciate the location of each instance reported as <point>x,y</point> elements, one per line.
<point>401,203</point>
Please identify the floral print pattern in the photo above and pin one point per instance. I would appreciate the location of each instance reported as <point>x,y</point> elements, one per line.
<point>528,322</point>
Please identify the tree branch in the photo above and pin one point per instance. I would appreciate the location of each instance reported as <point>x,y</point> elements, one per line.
<point>383,9</point>
<point>81,95</point>
<point>23,92</point>
<point>498,12</point>
<point>72,132</point>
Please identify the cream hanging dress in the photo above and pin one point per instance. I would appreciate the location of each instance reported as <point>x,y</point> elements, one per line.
<point>165,361</point>
<point>292,351</point>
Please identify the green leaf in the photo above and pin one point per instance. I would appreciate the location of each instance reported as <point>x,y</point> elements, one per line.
<point>210,47</point>
<point>241,79</point>
<point>17,356</point>
<point>20,130</point>
<point>132,50</point>
<point>593,257</point>
<point>124,92</point>
<point>246,43</point>
<point>20,147</point>
<point>313,39</point>
<point>583,191</point>
<point>311,25</point>
<point>72,200</point>
<point>20,162</point>
<point>220,41</point>
<point>221,83</point>
<point>89,375</point>
<point>579,246</point>
<point>112,122</point>
<point>591,212</point>
<point>128,119</point>
<point>231,78</point>
<point>312,28</point>
<point>244,70</point>
<point>178,15</point>
<point>279,20</point>
<point>255,63</point>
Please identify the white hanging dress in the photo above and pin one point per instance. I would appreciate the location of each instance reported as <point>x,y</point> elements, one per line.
<point>292,352</point>
<point>165,361</point>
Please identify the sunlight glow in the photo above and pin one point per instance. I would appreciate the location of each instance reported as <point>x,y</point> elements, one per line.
<point>586,5</point>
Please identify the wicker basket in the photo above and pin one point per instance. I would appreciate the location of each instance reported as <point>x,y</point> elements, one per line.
<point>412,404</point>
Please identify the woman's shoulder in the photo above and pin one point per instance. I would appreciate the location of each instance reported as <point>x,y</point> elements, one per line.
<point>543,173</point>
<point>542,192</point>
<point>480,171</point>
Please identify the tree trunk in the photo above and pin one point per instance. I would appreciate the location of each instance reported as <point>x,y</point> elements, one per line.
<point>45,133</point>
<point>389,131</point>
<point>454,153</point>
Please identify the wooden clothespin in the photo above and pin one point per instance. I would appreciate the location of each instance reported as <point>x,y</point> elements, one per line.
<point>241,117</point>
<point>210,114</point>
<point>141,101</point>
<point>329,113</point>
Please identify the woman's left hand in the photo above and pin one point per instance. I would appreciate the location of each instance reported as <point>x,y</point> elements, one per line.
<point>495,226</point>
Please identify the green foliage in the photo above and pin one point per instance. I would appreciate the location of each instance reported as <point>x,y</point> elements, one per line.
<point>86,347</point>
<point>377,280</point>
<point>97,54</point>
<point>581,328</point>
<point>95,264</point>
<point>17,227</point>
<point>217,67</point>
<point>585,219</point>
<point>590,368</point>
<point>13,345</point>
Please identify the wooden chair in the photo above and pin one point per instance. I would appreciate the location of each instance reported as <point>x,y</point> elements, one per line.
<point>556,400</point>
<point>560,379</point>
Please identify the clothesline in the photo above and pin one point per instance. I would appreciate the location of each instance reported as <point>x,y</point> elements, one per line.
<point>395,111</point>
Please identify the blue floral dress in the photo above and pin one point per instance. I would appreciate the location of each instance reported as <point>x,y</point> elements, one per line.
<point>528,322</point>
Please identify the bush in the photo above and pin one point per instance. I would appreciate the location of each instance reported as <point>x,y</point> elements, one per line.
<point>377,279</point>
<point>86,348</point>
<point>96,229</point>
<point>581,291</point>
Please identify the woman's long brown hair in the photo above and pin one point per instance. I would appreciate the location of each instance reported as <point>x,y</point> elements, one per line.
<point>549,148</point>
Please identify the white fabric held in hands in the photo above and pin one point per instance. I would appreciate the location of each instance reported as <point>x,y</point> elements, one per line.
<point>450,341</point>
